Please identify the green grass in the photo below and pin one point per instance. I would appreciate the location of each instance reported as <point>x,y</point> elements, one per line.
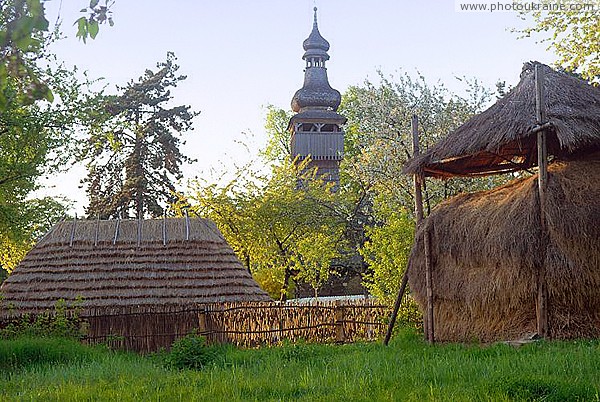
<point>407,370</point>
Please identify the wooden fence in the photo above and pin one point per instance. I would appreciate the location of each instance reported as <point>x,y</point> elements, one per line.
<point>252,324</point>
<point>246,324</point>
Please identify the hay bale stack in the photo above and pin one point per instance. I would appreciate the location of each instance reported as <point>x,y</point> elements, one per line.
<point>486,248</point>
<point>130,263</point>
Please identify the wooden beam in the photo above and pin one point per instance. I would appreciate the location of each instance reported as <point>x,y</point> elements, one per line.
<point>417,180</point>
<point>397,303</point>
<point>542,150</point>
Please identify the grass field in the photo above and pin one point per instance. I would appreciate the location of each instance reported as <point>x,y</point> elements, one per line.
<point>408,370</point>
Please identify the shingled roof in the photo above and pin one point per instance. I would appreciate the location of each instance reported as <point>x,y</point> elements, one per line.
<point>130,263</point>
<point>503,138</point>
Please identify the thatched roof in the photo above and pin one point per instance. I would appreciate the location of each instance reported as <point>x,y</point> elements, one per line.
<point>487,246</point>
<point>130,263</point>
<point>501,139</point>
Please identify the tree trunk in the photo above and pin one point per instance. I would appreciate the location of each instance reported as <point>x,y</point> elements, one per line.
<point>286,284</point>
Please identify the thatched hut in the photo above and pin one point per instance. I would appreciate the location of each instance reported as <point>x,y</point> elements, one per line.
<point>503,264</point>
<point>130,263</point>
<point>503,138</point>
<point>485,250</point>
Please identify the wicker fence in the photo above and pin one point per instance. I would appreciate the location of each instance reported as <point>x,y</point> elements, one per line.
<point>244,324</point>
<point>252,324</point>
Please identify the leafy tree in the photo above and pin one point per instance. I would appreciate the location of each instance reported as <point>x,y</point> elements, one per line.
<point>378,144</point>
<point>134,161</point>
<point>23,35</point>
<point>287,235</point>
<point>574,34</point>
<point>379,139</point>
<point>278,148</point>
<point>35,140</point>
<point>42,104</point>
<point>35,218</point>
<point>283,232</point>
<point>386,252</point>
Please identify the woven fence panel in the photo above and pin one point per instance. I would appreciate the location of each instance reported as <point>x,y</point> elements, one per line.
<point>252,324</point>
<point>147,329</point>
<point>142,330</point>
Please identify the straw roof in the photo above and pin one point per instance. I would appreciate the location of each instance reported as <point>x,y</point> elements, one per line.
<point>485,249</point>
<point>502,138</point>
<point>130,263</point>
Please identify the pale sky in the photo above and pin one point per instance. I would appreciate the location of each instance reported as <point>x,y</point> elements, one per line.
<point>242,55</point>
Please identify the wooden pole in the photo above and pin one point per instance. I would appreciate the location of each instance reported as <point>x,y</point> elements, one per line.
<point>187,224</point>
<point>417,180</point>
<point>542,290</point>
<point>73,230</point>
<point>394,315</point>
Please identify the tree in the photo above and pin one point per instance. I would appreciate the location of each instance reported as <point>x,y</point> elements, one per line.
<point>35,140</point>
<point>23,36</point>
<point>278,148</point>
<point>574,35</point>
<point>134,161</point>
<point>283,233</point>
<point>42,105</point>
<point>386,252</point>
<point>35,218</point>
<point>378,144</point>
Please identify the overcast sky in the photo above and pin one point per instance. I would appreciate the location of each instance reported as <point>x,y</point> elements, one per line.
<point>242,55</point>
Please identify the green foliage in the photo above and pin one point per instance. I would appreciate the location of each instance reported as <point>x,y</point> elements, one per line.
<point>63,322</point>
<point>409,315</point>
<point>36,140</point>
<point>42,105</point>
<point>191,352</point>
<point>96,14</point>
<point>378,144</point>
<point>574,35</point>
<point>387,252</point>
<point>134,159</point>
<point>272,280</point>
<point>278,137</point>
<point>280,230</point>
<point>379,135</point>
<point>23,34</point>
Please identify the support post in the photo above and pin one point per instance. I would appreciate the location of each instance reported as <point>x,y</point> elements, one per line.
<point>187,224</point>
<point>202,327</point>
<point>340,336</point>
<point>73,230</point>
<point>542,153</point>
<point>418,196</point>
<point>97,230</point>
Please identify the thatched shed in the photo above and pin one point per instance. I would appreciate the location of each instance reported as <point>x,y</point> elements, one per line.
<point>524,257</point>
<point>503,138</point>
<point>130,263</point>
<point>485,247</point>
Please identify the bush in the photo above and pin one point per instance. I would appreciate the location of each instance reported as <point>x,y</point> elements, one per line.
<point>409,314</point>
<point>63,322</point>
<point>191,352</point>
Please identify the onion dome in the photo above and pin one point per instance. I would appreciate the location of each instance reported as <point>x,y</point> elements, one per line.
<point>315,44</point>
<point>316,92</point>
